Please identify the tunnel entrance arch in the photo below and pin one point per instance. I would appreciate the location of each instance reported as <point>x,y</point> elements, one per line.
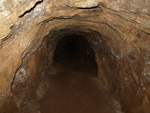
<point>73,48</point>
<point>75,84</point>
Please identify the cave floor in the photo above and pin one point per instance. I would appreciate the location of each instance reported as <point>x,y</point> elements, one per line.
<point>76,89</point>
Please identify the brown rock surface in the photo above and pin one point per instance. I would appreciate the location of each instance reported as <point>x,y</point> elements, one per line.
<point>118,30</point>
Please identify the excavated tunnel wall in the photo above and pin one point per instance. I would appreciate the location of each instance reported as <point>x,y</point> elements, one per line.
<point>115,69</point>
<point>120,40</point>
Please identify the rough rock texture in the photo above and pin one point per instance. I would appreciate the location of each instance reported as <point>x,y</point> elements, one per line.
<point>118,30</point>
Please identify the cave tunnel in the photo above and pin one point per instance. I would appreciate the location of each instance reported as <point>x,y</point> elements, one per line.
<point>74,77</point>
<point>74,49</point>
<point>75,56</point>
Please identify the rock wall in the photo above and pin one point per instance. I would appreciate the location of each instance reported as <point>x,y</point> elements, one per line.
<point>119,32</point>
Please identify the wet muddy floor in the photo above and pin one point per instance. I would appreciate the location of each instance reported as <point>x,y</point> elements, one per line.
<point>76,89</point>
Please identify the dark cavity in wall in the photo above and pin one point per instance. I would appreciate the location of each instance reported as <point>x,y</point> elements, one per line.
<point>75,50</point>
<point>74,84</point>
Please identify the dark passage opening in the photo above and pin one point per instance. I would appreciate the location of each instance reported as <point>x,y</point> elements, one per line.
<point>74,86</point>
<point>74,49</point>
